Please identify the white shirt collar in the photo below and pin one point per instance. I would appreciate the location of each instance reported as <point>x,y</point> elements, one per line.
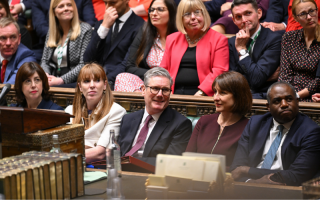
<point>287,125</point>
<point>252,37</point>
<point>155,116</point>
<point>2,58</point>
<point>125,16</point>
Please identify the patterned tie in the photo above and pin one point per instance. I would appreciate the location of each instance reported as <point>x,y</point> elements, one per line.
<point>115,31</point>
<point>268,160</point>
<point>3,69</point>
<point>141,138</point>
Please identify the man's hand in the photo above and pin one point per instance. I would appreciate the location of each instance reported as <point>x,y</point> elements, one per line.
<point>226,6</point>
<point>239,172</point>
<point>274,26</point>
<point>55,81</point>
<point>316,97</point>
<point>15,10</point>
<point>242,38</point>
<point>275,75</point>
<point>109,17</point>
<point>265,180</point>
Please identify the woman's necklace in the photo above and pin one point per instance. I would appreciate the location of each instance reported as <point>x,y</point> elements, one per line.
<point>221,130</point>
<point>193,41</point>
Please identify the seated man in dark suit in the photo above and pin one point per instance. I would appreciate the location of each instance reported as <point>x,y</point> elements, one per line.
<point>277,15</point>
<point>12,53</point>
<point>157,129</point>
<point>40,19</point>
<point>112,38</point>
<point>255,50</point>
<point>279,147</point>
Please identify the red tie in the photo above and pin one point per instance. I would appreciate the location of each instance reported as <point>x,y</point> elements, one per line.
<point>14,2</point>
<point>141,138</point>
<point>3,69</point>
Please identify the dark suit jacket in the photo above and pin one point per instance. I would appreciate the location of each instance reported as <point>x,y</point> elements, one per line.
<point>22,55</point>
<point>264,61</point>
<point>278,11</point>
<point>169,136</point>
<point>300,150</point>
<point>213,8</point>
<point>112,57</point>
<point>40,15</point>
<point>131,66</point>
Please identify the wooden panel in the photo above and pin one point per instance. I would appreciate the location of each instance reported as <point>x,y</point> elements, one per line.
<point>185,104</point>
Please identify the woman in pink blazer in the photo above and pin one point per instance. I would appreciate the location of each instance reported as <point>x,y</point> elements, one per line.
<point>196,54</point>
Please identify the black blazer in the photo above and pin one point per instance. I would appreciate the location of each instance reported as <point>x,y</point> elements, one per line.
<point>112,57</point>
<point>300,151</point>
<point>131,66</point>
<point>264,61</point>
<point>277,11</point>
<point>169,136</point>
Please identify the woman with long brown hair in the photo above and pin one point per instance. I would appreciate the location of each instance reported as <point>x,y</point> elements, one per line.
<point>93,106</point>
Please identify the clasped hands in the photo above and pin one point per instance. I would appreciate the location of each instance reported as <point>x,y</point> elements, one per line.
<point>242,171</point>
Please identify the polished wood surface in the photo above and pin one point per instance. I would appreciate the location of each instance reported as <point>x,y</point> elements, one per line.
<point>24,120</point>
<point>134,188</point>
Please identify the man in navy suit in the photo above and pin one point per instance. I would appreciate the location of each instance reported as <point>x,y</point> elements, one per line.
<point>277,15</point>
<point>157,128</point>
<point>279,147</point>
<point>255,50</point>
<point>112,38</point>
<point>12,53</point>
<point>40,19</point>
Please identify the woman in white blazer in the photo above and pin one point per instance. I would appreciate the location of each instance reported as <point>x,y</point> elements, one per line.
<point>94,107</point>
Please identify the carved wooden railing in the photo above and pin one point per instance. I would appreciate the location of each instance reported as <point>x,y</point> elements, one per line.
<point>185,104</point>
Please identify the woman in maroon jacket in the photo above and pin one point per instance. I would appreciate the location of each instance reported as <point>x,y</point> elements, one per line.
<point>219,133</point>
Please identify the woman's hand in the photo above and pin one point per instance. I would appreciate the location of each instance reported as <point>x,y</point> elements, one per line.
<point>55,81</point>
<point>226,6</point>
<point>316,97</point>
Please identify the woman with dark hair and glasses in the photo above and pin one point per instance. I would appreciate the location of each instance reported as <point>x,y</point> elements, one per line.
<point>148,47</point>
<point>32,88</point>
<point>219,133</point>
<point>300,51</point>
<point>196,54</point>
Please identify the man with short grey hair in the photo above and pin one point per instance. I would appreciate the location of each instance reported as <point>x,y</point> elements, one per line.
<point>12,53</point>
<point>157,129</point>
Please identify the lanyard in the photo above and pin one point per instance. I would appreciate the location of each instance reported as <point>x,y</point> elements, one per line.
<point>60,52</point>
<point>253,41</point>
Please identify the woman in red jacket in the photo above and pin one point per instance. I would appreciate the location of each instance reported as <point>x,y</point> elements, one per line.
<point>196,54</point>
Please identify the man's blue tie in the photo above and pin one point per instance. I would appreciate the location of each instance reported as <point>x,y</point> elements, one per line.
<point>268,160</point>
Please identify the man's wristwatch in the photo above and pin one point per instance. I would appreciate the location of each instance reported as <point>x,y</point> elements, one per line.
<point>243,52</point>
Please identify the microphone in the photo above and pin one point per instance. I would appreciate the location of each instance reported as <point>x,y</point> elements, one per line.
<point>5,90</point>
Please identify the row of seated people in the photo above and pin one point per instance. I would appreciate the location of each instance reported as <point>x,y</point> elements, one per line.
<point>279,147</point>
<point>194,55</point>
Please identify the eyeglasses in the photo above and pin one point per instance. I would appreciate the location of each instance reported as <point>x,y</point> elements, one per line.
<point>196,13</point>
<point>158,9</point>
<point>312,13</point>
<point>155,90</point>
